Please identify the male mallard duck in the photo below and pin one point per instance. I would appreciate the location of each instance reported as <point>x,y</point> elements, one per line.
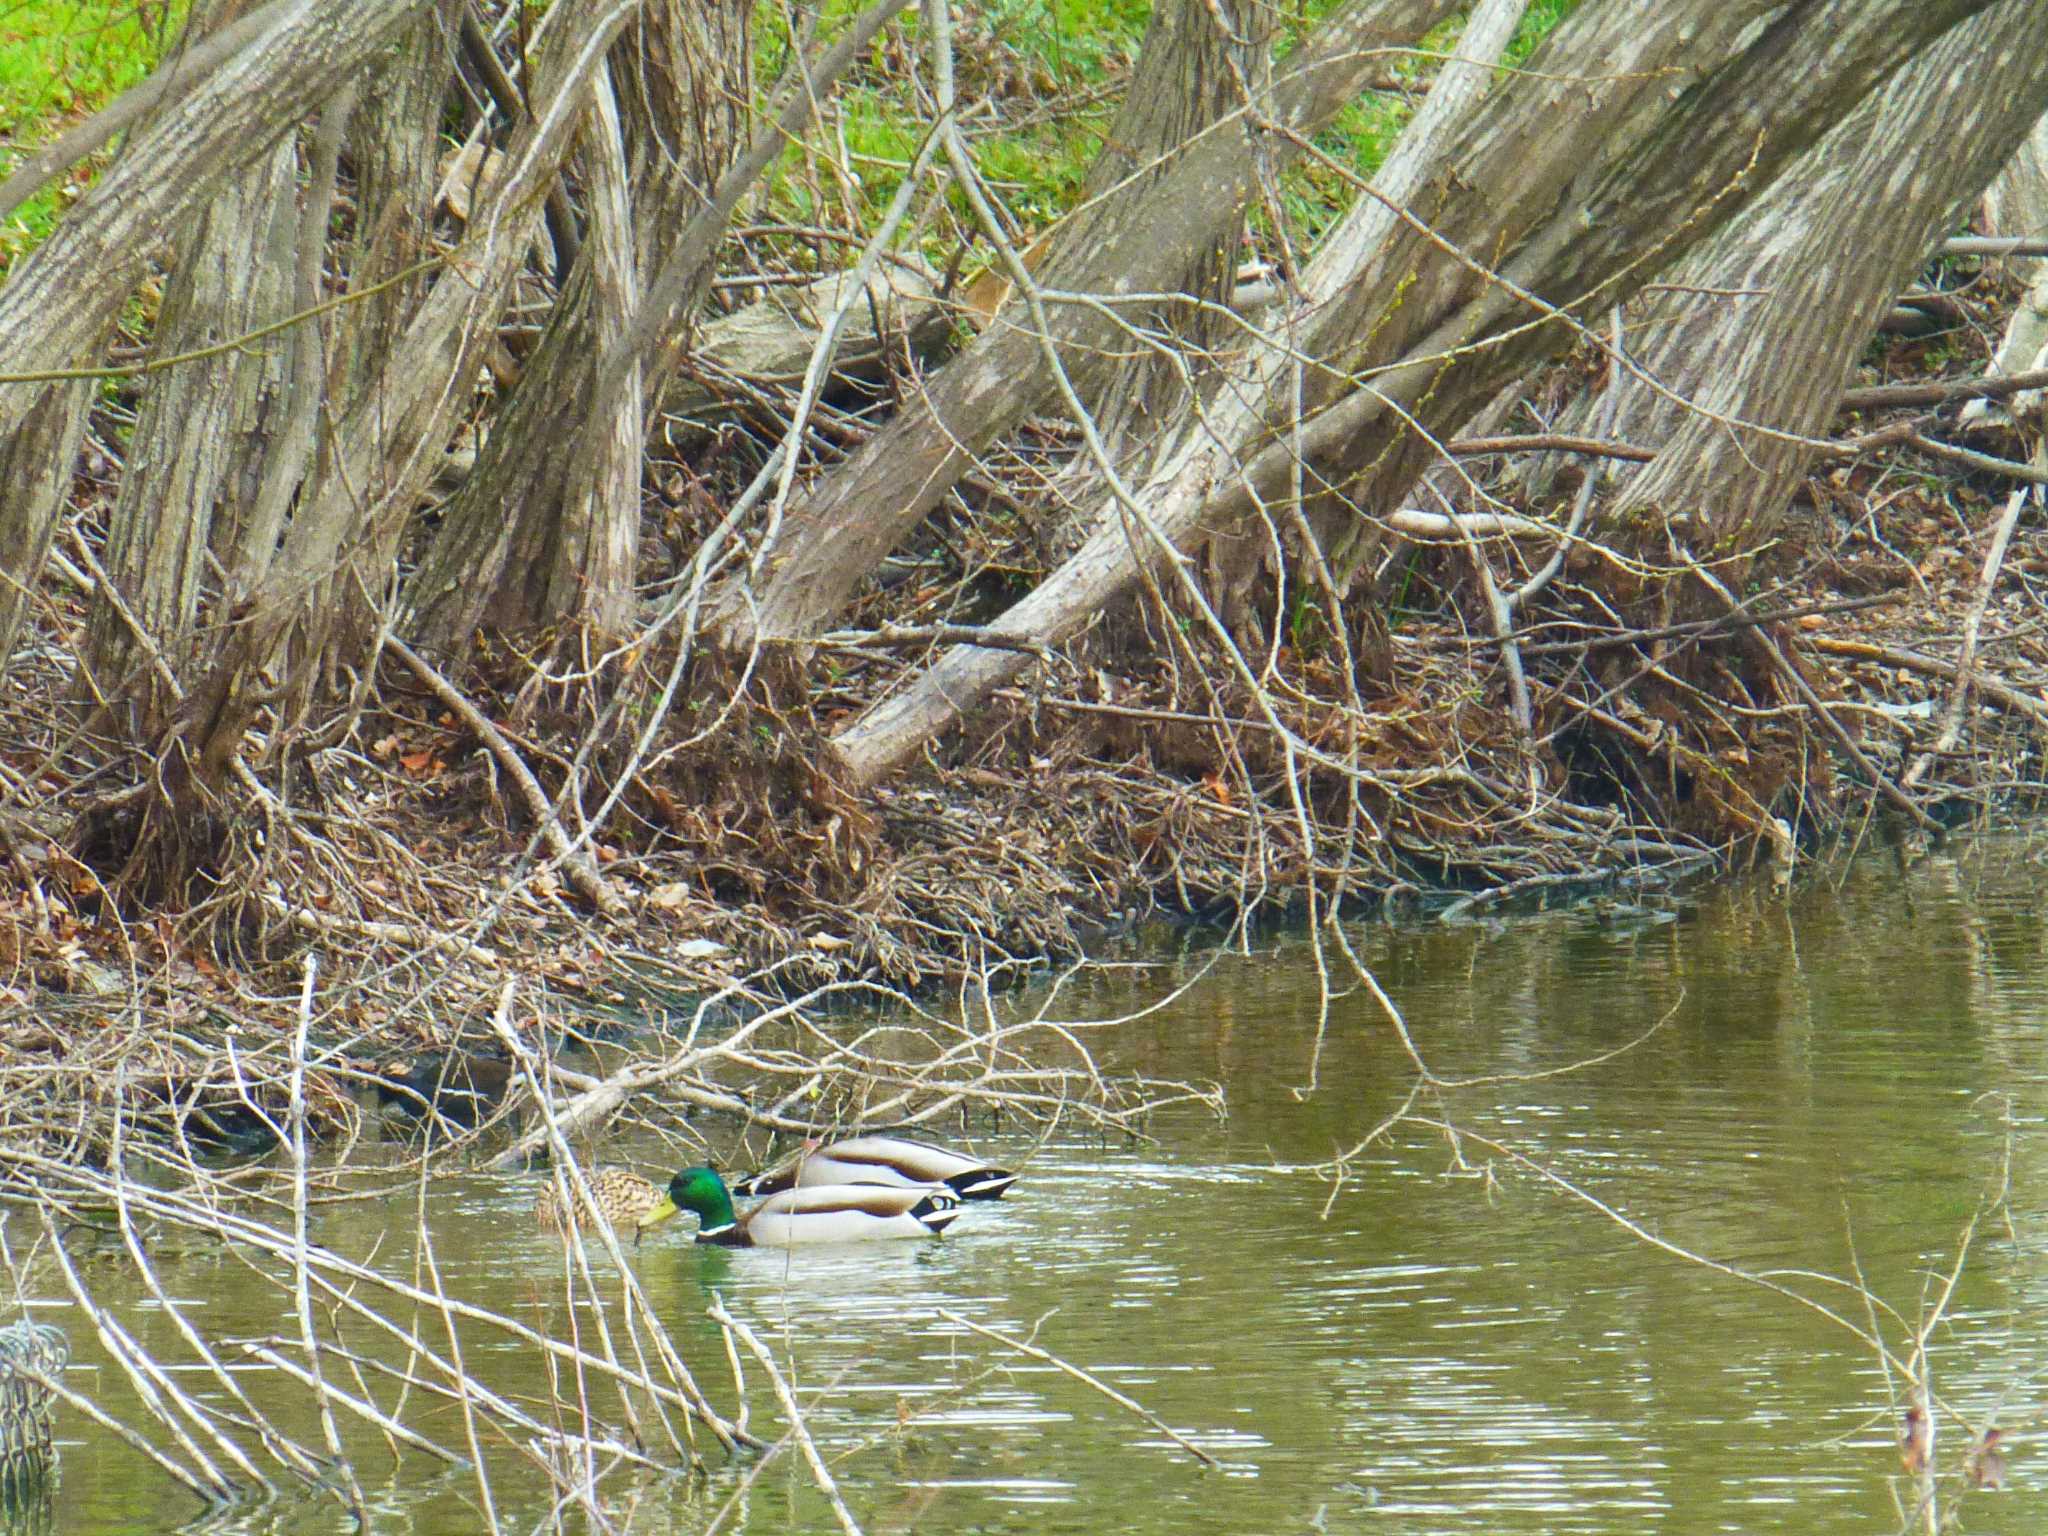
<point>623,1196</point>
<point>831,1213</point>
<point>883,1160</point>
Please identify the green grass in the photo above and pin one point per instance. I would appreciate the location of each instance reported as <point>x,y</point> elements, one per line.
<point>1538,22</point>
<point>1007,52</point>
<point>1364,133</point>
<point>61,60</point>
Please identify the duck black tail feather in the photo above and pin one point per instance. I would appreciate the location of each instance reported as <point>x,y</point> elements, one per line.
<point>982,1183</point>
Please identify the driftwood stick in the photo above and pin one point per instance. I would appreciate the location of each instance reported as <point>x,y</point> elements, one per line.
<point>1725,624</point>
<point>1840,732</point>
<point>1994,245</point>
<point>936,634</point>
<point>1414,523</point>
<point>1550,442</point>
<point>212,1498</point>
<point>2012,469</point>
<point>581,868</point>
<point>302,1290</point>
<point>328,925</point>
<point>1885,786</point>
<point>1941,394</point>
<point>1997,690</point>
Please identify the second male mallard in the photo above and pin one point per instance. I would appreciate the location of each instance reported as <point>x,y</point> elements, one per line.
<point>888,1160</point>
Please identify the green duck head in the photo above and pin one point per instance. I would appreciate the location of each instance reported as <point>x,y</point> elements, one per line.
<point>695,1189</point>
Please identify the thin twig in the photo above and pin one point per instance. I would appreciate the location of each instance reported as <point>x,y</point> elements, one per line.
<point>1973,625</point>
<point>820,1473</point>
<point>302,1304</point>
<point>1075,1371</point>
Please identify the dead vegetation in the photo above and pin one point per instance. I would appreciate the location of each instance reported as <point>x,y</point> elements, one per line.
<point>1519,688</point>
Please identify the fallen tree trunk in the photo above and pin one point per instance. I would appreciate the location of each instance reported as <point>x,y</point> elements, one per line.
<point>766,345</point>
<point>1583,216</point>
<point>1124,244</point>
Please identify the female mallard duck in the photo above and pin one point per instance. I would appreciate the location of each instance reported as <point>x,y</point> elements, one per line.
<point>623,1196</point>
<point>883,1160</point>
<point>832,1213</point>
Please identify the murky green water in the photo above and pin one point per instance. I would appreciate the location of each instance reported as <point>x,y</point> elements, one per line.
<point>1838,1084</point>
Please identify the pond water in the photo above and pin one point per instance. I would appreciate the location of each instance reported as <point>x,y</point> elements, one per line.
<point>1447,1343</point>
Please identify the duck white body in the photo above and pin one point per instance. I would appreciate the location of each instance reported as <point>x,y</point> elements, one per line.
<point>888,1161</point>
<point>840,1213</point>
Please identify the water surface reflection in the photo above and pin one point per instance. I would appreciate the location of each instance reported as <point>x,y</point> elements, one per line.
<point>1452,1345</point>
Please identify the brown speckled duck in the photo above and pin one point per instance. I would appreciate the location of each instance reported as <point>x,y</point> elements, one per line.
<point>623,1196</point>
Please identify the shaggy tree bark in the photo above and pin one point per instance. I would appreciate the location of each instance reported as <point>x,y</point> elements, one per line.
<point>36,465</point>
<point>223,443</point>
<point>388,446</point>
<point>59,301</point>
<point>1825,251</point>
<point>1267,388</point>
<point>394,145</point>
<point>199,441</point>
<point>1677,120</point>
<point>2016,203</point>
<point>1127,242</point>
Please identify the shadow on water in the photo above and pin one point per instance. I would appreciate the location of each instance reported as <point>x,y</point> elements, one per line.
<point>1444,1344</point>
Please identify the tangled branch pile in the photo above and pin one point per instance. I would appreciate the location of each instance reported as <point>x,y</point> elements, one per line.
<point>629,548</point>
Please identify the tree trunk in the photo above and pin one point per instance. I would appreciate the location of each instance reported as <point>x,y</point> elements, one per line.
<point>568,550</point>
<point>388,446</point>
<point>1195,67</point>
<point>37,463</point>
<point>1130,241</point>
<point>60,299</point>
<point>1898,174</point>
<point>1269,387</point>
<point>200,435</point>
<point>1580,210</point>
<point>223,443</point>
<point>394,140</point>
